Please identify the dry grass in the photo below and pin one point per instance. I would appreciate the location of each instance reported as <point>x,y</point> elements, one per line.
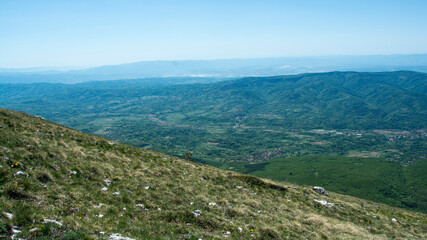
<point>67,171</point>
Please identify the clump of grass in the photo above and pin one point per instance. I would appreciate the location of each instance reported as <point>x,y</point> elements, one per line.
<point>24,213</point>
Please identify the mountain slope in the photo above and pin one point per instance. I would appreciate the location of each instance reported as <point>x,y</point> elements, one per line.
<point>235,123</point>
<point>97,188</point>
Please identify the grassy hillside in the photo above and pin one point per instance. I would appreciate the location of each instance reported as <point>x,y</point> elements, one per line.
<point>96,188</point>
<point>375,179</point>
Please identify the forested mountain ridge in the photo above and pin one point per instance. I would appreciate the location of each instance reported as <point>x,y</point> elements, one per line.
<point>341,100</point>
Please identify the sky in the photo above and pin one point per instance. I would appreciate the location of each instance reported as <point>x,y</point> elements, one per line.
<point>99,32</point>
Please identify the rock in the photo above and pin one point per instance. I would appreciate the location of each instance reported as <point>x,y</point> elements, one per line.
<point>324,203</point>
<point>140,205</point>
<point>101,215</point>
<point>52,221</point>
<point>394,220</point>
<point>8,215</point>
<point>99,205</point>
<point>212,204</point>
<point>20,173</point>
<point>116,193</point>
<point>147,187</point>
<point>197,213</point>
<point>117,236</point>
<point>104,189</point>
<point>320,190</point>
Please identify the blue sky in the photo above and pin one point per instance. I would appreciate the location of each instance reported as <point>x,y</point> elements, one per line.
<point>98,32</point>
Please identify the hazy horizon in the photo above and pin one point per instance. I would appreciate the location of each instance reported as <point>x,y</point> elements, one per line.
<point>96,33</point>
<point>82,67</point>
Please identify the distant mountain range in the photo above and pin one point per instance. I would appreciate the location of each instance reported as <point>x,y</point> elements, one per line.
<point>214,69</point>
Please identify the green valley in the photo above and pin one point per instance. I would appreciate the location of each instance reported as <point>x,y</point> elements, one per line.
<point>282,119</point>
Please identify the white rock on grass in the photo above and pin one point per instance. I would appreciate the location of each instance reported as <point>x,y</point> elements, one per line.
<point>101,215</point>
<point>52,221</point>
<point>212,204</point>
<point>15,231</point>
<point>197,213</point>
<point>99,205</point>
<point>116,193</point>
<point>104,189</point>
<point>320,190</point>
<point>140,205</point>
<point>118,236</point>
<point>20,173</point>
<point>394,220</point>
<point>147,187</point>
<point>8,215</point>
<point>324,203</point>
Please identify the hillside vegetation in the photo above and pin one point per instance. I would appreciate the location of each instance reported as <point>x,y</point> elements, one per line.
<point>371,178</point>
<point>230,124</point>
<point>59,183</point>
<point>243,118</point>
